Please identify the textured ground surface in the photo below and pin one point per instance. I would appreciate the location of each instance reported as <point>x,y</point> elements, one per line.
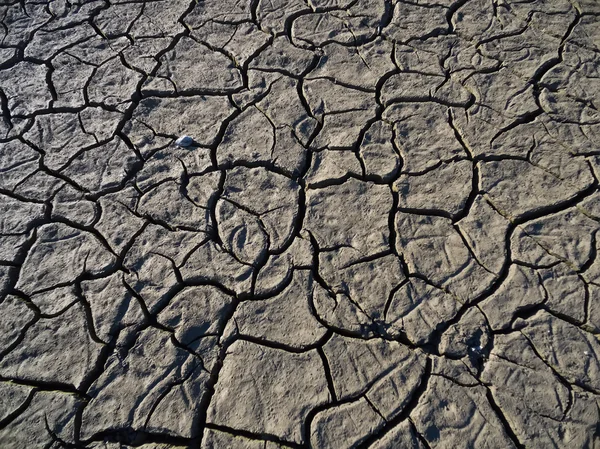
<point>384,235</point>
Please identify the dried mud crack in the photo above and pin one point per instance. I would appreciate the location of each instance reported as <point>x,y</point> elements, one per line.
<point>382,231</point>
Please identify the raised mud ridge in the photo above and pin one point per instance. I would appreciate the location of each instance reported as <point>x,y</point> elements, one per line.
<point>381,232</point>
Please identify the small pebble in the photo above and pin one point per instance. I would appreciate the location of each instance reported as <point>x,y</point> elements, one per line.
<point>184,141</point>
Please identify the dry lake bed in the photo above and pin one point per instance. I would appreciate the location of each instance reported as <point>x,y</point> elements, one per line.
<point>328,224</point>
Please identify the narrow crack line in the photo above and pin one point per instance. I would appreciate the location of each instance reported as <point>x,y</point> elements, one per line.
<point>391,296</point>
<point>439,163</point>
<point>416,98</point>
<point>327,370</point>
<point>471,250</point>
<point>353,398</point>
<point>367,259</point>
<point>254,436</point>
<point>426,212</point>
<point>558,376</point>
<point>90,325</point>
<point>40,385</point>
<point>568,319</point>
<point>505,422</point>
<point>501,276</point>
<point>11,346</point>
<point>420,437</point>
<point>14,414</point>
<point>374,408</point>
<point>413,402</point>
<point>281,346</point>
<point>164,394</point>
<point>135,438</point>
<point>561,381</point>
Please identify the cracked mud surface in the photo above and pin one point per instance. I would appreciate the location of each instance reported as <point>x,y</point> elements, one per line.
<point>384,234</point>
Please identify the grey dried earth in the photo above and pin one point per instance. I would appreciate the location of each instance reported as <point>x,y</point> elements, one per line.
<point>383,231</point>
